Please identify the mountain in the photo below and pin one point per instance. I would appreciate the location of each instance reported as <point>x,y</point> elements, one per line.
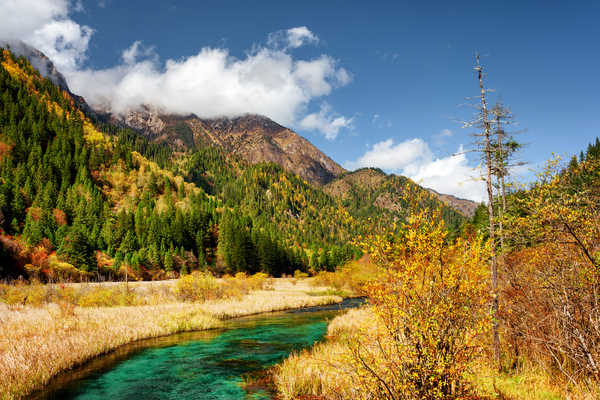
<point>463,206</point>
<point>254,138</point>
<point>38,60</point>
<point>84,198</point>
<point>370,192</point>
<point>45,67</point>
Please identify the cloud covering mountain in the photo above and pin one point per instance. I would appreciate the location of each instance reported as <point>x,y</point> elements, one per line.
<point>268,80</point>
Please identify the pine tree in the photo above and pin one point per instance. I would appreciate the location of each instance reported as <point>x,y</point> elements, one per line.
<point>76,249</point>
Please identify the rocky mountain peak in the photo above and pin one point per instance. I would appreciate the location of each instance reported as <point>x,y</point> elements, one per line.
<point>255,138</point>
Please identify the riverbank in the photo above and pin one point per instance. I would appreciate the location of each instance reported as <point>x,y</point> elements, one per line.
<point>323,371</point>
<point>37,343</point>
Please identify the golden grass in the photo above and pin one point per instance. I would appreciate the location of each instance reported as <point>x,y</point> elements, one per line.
<point>528,384</point>
<point>319,372</point>
<point>350,322</point>
<point>322,372</point>
<point>36,343</point>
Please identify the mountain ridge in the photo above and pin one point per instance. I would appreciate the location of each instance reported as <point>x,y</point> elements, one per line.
<point>255,138</point>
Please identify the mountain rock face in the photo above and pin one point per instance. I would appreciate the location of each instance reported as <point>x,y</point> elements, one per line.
<point>464,206</point>
<point>253,137</point>
<point>38,60</point>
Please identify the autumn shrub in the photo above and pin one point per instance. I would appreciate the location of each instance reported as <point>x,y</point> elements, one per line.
<point>241,284</point>
<point>36,294</point>
<point>198,286</point>
<point>349,278</point>
<point>235,286</point>
<point>260,281</point>
<point>551,279</point>
<point>107,297</point>
<point>21,293</point>
<point>300,275</point>
<point>431,304</point>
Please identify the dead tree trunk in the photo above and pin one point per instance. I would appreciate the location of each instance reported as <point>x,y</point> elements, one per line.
<point>487,149</point>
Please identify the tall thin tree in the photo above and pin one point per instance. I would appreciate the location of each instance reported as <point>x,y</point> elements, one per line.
<point>486,148</point>
<point>505,149</point>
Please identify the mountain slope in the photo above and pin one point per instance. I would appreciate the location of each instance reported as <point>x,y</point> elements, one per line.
<point>252,137</point>
<point>370,192</point>
<point>83,199</point>
<point>256,139</point>
<point>463,206</point>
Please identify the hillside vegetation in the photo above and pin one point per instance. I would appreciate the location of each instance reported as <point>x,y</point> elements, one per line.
<point>84,199</point>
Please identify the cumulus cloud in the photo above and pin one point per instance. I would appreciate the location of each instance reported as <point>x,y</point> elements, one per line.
<point>390,156</point>
<point>212,83</point>
<point>326,121</point>
<point>413,158</point>
<point>136,51</point>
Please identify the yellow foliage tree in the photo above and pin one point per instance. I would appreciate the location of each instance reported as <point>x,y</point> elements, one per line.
<point>432,304</point>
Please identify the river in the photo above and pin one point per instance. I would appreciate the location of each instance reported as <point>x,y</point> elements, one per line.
<point>198,365</point>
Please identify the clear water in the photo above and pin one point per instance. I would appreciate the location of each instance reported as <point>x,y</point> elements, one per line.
<point>201,365</point>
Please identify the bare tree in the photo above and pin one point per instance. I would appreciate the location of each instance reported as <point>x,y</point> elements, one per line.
<point>504,152</point>
<point>485,147</point>
<point>487,151</point>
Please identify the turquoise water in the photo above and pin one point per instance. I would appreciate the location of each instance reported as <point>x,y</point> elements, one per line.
<point>201,365</point>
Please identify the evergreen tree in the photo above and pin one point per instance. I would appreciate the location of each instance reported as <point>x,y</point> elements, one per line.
<point>78,250</point>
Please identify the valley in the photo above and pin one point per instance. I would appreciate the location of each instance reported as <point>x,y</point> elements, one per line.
<point>216,201</point>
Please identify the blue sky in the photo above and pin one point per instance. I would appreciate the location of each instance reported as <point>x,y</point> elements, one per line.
<point>369,83</point>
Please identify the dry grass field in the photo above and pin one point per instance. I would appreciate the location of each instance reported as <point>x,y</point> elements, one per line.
<point>44,331</point>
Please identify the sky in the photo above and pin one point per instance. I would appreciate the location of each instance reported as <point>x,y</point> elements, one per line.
<point>378,84</point>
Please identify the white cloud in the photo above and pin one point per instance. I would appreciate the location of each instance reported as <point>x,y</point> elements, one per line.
<point>211,83</point>
<point>379,122</point>
<point>46,25</point>
<point>413,158</point>
<point>445,133</point>
<point>136,51</point>
<point>397,157</point>
<point>326,122</point>
<point>292,38</point>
